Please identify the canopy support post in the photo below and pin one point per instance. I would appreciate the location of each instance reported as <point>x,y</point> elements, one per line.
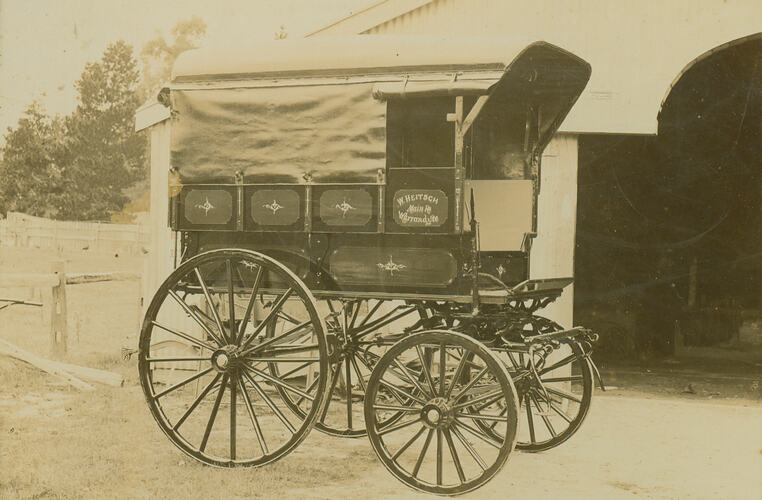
<point>475,110</point>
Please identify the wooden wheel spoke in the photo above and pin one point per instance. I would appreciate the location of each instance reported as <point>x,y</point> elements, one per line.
<point>285,359</point>
<point>488,403</point>
<point>408,443</point>
<point>182,383</point>
<point>558,364</point>
<point>231,306</point>
<point>309,389</point>
<point>487,439</point>
<point>215,313</point>
<point>390,317</point>
<point>272,314</point>
<point>563,394</point>
<point>396,427</point>
<point>280,383</point>
<point>456,376</point>
<point>560,413</point>
<point>360,380</point>
<point>250,305</point>
<point>425,369</point>
<point>411,409</point>
<point>348,376</point>
<point>169,360</point>
<point>272,341</point>
<point>454,454</point>
<point>471,451</point>
<point>288,317</point>
<point>289,349</point>
<point>270,403</point>
<point>442,370</point>
<point>470,384</point>
<point>483,397</point>
<point>193,314</point>
<point>479,416</point>
<point>400,391</point>
<point>294,370</point>
<point>422,455</point>
<point>185,336</point>
<point>196,402</point>
<point>530,419</point>
<point>336,371</point>
<point>413,380</point>
<point>371,313</point>
<point>502,412</point>
<point>468,363</point>
<point>439,457</point>
<point>232,419</point>
<point>253,417</point>
<point>355,311</point>
<point>213,414</point>
<point>570,378</point>
<point>545,418</point>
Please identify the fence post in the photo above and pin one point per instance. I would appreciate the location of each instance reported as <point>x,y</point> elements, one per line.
<point>58,327</point>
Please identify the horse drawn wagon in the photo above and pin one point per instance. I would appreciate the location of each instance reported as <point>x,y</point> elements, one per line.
<point>355,220</point>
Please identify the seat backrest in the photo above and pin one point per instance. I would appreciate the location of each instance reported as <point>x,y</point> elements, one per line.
<point>504,212</point>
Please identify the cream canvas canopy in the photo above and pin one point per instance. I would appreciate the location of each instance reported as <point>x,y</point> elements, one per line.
<point>314,110</point>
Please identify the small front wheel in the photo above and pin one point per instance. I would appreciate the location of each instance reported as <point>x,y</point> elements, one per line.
<point>436,446</point>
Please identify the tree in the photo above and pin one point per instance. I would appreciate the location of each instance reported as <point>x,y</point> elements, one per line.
<point>106,154</point>
<point>33,165</point>
<point>158,55</point>
<point>80,166</point>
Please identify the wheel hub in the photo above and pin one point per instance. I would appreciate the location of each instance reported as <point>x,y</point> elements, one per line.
<point>437,414</point>
<point>225,359</point>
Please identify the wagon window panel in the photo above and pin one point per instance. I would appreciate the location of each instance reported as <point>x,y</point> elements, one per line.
<point>418,133</point>
<point>501,140</point>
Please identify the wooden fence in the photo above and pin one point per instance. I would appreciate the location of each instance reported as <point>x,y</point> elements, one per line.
<point>21,230</point>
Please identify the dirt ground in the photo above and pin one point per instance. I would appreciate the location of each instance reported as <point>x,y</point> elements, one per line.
<point>668,429</point>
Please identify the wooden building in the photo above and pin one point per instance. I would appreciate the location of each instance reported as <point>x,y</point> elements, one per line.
<point>639,51</point>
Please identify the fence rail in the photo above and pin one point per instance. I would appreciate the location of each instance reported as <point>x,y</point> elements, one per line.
<point>22,230</point>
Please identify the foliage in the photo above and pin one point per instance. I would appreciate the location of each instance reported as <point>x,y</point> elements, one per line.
<point>78,167</point>
<point>107,155</point>
<point>158,55</point>
<point>31,173</point>
<point>86,165</point>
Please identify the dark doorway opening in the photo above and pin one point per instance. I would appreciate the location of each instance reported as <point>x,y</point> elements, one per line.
<point>669,234</point>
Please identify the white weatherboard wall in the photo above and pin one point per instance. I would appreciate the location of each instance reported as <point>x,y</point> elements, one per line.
<point>160,258</point>
<point>553,250</point>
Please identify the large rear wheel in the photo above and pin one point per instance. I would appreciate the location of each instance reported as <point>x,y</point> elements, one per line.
<point>554,403</point>
<point>358,336</point>
<point>204,357</point>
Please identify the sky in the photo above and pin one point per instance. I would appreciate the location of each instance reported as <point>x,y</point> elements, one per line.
<point>45,44</point>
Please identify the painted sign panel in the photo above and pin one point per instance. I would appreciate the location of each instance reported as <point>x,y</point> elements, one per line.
<point>346,207</point>
<point>393,266</point>
<point>420,207</point>
<point>208,206</point>
<point>275,207</point>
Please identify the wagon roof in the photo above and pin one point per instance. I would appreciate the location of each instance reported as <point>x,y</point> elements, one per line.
<point>363,55</point>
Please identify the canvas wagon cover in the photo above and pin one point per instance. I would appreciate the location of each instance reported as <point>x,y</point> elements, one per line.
<point>314,110</point>
<point>334,133</point>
